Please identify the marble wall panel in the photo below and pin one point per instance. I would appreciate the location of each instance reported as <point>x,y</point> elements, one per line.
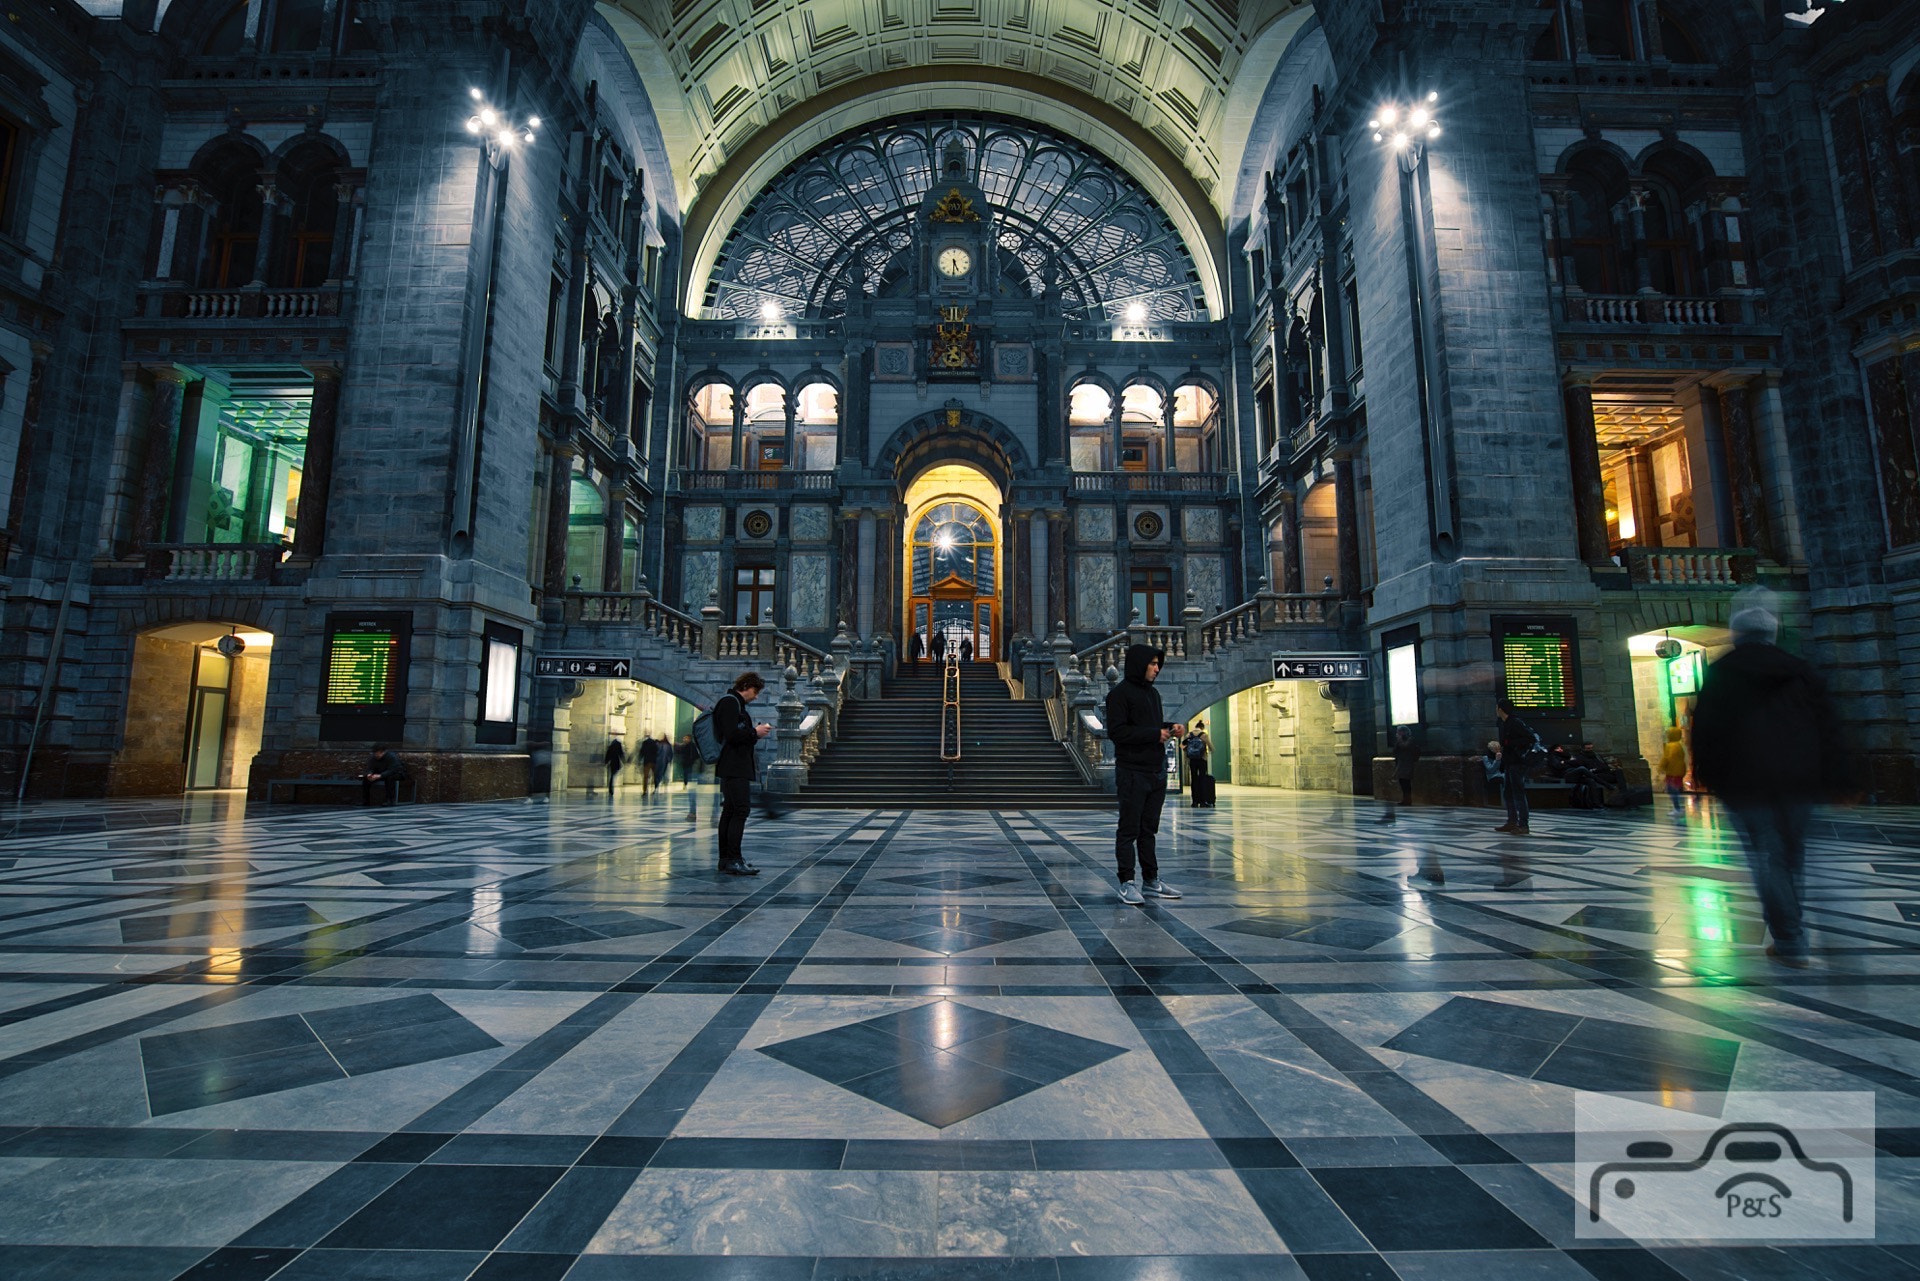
<point>1097,607</point>
<point>810,524</point>
<point>808,578</point>
<point>704,524</point>
<point>1207,580</point>
<point>1093,524</point>
<point>699,576</point>
<point>1201,526</point>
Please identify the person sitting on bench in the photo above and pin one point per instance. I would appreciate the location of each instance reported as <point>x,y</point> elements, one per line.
<point>382,767</point>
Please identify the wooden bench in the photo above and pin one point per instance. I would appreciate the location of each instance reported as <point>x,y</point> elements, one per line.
<point>400,786</point>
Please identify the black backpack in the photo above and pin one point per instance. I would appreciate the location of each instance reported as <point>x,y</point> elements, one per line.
<point>706,739</point>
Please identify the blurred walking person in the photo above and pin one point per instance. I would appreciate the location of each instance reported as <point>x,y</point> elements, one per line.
<point>1673,766</point>
<point>648,753</point>
<point>1766,741</point>
<point>616,760</point>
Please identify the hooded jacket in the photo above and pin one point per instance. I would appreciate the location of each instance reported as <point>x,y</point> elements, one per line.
<point>1134,715</point>
<point>1764,729</point>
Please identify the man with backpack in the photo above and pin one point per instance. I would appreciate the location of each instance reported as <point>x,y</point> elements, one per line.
<point>738,736</point>
<point>1766,741</point>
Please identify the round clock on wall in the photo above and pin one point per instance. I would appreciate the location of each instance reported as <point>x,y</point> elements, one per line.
<point>955,261</point>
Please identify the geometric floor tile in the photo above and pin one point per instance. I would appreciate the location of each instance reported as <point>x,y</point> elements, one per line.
<point>1705,872</point>
<point>943,1062</point>
<point>1627,920</point>
<point>271,916</point>
<point>950,881</point>
<point>1565,1049</point>
<point>560,929</point>
<point>1326,931</point>
<point>265,1056</point>
<point>939,929</point>
<point>170,870</point>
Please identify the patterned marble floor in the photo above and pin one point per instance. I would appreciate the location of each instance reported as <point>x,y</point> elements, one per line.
<point>521,1042</point>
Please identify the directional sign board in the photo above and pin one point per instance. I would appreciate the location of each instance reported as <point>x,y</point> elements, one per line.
<point>1322,667</point>
<point>582,667</point>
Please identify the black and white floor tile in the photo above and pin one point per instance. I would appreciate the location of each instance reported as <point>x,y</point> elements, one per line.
<point>530,1041</point>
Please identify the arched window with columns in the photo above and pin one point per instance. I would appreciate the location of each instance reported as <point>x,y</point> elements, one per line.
<point>230,177</point>
<point>309,182</point>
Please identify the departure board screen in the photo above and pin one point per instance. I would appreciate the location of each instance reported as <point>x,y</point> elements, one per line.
<point>1539,663</point>
<point>364,662</point>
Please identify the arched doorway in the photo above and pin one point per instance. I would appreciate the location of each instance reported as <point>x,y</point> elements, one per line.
<point>196,708</point>
<point>953,560</point>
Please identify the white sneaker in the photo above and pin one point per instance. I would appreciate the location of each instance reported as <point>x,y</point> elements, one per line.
<point>1159,889</point>
<point>1130,893</point>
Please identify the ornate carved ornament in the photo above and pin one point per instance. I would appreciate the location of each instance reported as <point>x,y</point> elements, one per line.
<point>953,207</point>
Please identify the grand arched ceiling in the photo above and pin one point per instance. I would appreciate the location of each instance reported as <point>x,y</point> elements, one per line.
<point>737,67</point>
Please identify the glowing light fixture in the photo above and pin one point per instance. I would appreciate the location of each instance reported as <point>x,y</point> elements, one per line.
<point>770,312</point>
<point>1407,129</point>
<point>1136,313</point>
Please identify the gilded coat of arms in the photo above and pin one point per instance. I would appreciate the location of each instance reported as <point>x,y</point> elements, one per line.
<point>954,346</point>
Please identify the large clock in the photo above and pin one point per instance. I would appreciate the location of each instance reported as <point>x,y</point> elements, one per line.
<point>955,261</point>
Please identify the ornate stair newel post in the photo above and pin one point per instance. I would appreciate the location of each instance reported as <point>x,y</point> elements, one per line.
<point>1268,611</point>
<point>1136,629</point>
<point>1196,627</point>
<point>788,773</point>
<point>768,636</point>
<point>710,626</point>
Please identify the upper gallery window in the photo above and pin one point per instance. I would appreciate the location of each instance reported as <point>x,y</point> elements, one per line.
<point>1616,30</point>
<point>286,26</point>
<point>837,225</point>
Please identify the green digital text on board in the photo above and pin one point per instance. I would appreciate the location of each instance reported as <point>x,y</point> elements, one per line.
<point>360,669</point>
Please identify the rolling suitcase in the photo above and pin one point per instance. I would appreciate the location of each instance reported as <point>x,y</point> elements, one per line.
<point>1202,785</point>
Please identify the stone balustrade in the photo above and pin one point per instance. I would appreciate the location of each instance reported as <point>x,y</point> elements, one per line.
<point>213,562</point>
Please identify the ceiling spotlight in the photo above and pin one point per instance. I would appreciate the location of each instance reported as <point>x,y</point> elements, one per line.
<point>1433,131</point>
<point>1136,313</point>
<point>1433,95</point>
<point>1399,141</point>
<point>488,117</point>
<point>533,122</point>
<point>1418,117</point>
<point>473,124</point>
<point>475,91</point>
<point>1388,115</point>
<point>770,311</point>
<point>506,137</point>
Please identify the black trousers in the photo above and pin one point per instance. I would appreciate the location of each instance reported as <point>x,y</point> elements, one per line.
<point>1141,797</point>
<point>391,784</point>
<point>736,802</point>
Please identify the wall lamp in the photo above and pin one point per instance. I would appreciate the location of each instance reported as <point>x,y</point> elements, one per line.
<point>1407,128</point>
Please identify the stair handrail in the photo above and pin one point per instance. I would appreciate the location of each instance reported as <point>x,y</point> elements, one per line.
<point>950,699</point>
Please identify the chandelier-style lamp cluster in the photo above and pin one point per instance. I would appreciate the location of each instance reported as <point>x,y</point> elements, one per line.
<point>1407,128</point>
<point>497,127</point>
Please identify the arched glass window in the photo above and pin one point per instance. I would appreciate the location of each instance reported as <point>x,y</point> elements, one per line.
<point>710,426</point>
<point>299,26</point>
<point>309,180</point>
<point>231,178</point>
<point>586,534</point>
<point>953,543</point>
<point>1598,186</point>
<point>1552,45</point>
<point>1610,28</point>
<point>1196,429</point>
<point>1676,42</point>
<point>837,225</point>
<point>228,34</point>
<point>1089,426</point>
<point>817,426</point>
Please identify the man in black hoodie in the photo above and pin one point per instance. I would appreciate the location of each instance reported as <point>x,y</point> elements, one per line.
<point>1766,741</point>
<point>1139,735</point>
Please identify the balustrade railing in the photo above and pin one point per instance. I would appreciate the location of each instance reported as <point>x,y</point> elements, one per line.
<point>1653,309</point>
<point>692,479</point>
<point>1134,482</point>
<point>251,304</point>
<point>1690,566</point>
<point>213,562</point>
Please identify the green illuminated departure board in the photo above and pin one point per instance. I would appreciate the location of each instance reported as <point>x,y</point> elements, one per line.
<point>360,668</point>
<point>1541,670</point>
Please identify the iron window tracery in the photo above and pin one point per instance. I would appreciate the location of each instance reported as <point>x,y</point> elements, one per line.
<point>837,225</point>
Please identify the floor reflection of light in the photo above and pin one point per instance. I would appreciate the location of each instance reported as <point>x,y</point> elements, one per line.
<point>224,964</point>
<point>486,904</point>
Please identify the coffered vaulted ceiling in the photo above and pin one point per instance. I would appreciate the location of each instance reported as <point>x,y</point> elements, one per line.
<point>1168,66</point>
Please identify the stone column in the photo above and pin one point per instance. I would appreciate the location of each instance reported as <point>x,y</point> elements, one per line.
<point>1714,438</point>
<point>1117,437</point>
<point>23,457</point>
<point>169,235</point>
<point>316,476</point>
<point>1637,221</point>
<point>1743,466</point>
<point>1170,457</point>
<point>562,736</point>
<point>341,261</point>
<point>1646,500</point>
<point>616,530</point>
<point>1583,464</point>
<point>553,576</point>
<point>787,460</point>
<point>734,462</point>
<point>1292,569</point>
<point>1038,572</point>
<point>264,249</point>
<point>163,433</point>
<point>864,583</point>
<point>1346,516</point>
<point>1783,512</point>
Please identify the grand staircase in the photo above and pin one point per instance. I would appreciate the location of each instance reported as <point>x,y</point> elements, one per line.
<point>887,753</point>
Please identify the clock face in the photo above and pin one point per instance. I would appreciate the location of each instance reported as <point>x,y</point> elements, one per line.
<point>955,261</point>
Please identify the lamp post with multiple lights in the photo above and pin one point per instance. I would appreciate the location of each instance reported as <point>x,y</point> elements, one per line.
<point>1406,128</point>
<point>499,136</point>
